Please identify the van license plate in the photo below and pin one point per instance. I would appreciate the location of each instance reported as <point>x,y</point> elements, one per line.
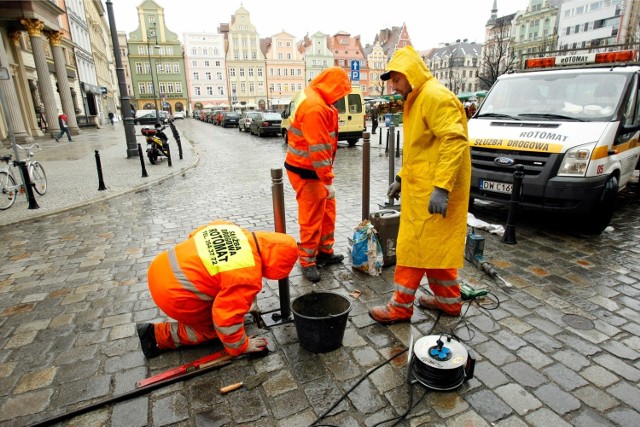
<point>342,122</point>
<point>498,187</point>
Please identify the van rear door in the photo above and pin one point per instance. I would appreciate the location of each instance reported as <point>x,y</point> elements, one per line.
<point>351,117</point>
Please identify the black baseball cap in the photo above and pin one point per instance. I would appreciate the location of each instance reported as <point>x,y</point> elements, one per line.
<point>385,76</point>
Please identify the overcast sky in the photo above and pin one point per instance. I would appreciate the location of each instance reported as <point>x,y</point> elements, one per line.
<point>430,22</point>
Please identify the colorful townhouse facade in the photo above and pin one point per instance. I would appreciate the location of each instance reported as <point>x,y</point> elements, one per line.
<point>285,69</point>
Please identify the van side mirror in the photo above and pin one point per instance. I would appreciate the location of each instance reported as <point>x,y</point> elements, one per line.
<point>630,128</point>
<point>284,114</point>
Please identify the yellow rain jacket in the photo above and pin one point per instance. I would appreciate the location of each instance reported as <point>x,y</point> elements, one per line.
<point>436,153</point>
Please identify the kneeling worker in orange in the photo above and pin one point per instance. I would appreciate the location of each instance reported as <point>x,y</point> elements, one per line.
<point>208,284</point>
<point>434,179</point>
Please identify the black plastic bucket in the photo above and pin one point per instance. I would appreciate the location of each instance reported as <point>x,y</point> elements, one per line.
<point>320,319</point>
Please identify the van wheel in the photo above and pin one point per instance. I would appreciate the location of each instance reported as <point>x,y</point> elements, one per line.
<point>352,142</point>
<point>599,219</point>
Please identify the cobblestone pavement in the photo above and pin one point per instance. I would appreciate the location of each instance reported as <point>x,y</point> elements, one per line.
<point>561,349</point>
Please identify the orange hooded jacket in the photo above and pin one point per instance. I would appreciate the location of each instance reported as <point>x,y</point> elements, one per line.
<point>313,132</point>
<point>223,263</point>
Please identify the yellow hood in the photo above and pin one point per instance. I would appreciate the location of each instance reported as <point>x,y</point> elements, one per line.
<point>408,62</point>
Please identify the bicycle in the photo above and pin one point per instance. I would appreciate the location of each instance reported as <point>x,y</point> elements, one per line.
<point>8,187</point>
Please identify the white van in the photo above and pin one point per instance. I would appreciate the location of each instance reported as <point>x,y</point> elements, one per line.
<point>351,116</point>
<point>575,129</point>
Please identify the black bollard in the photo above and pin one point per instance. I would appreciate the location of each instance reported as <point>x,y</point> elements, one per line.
<point>101,185</point>
<point>380,137</point>
<point>144,169</point>
<point>509,236</point>
<point>398,145</point>
<point>169,155</point>
<point>179,146</point>
<point>33,204</point>
<point>366,174</point>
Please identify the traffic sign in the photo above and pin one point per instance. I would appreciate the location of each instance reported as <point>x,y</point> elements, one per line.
<point>355,66</point>
<point>355,76</point>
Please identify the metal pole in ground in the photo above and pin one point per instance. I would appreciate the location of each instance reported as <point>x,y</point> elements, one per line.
<point>169,155</point>
<point>33,204</point>
<point>366,174</point>
<point>144,169</point>
<point>509,236</point>
<point>101,185</point>
<point>277,192</point>
<point>398,144</point>
<point>392,162</point>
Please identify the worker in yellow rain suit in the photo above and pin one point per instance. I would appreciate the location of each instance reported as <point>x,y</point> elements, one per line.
<point>208,284</point>
<point>312,146</point>
<point>434,180</point>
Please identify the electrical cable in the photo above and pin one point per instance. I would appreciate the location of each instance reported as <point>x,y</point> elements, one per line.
<point>346,393</point>
<point>357,383</point>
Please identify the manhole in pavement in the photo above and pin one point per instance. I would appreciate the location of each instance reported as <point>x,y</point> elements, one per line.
<point>578,322</point>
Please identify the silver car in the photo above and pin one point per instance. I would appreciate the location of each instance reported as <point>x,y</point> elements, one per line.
<point>246,118</point>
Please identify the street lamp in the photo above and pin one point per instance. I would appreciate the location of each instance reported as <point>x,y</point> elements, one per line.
<point>152,33</point>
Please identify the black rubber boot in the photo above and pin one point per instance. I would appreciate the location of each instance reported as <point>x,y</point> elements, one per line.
<point>148,340</point>
<point>328,259</point>
<point>311,273</point>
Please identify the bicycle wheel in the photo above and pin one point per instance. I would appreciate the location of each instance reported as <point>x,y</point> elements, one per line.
<point>8,190</point>
<point>38,178</point>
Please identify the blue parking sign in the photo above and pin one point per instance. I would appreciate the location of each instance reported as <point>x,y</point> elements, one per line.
<point>355,76</point>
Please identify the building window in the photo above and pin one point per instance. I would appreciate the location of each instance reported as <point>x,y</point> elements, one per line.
<point>196,90</point>
<point>206,63</point>
<point>139,67</point>
<point>260,72</point>
<point>220,90</point>
<point>241,72</point>
<point>250,71</point>
<point>207,75</point>
<point>232,72</point>
<point>209,90</point>
<point>196,76</point>
<point>142,88</point>
<point>162,87</point>
<point>194,63</point>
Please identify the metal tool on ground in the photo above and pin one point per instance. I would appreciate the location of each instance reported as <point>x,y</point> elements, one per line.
<point>184,372</point>
<point>250,383</point>
<point>216,359</point>
<point>474,253</point>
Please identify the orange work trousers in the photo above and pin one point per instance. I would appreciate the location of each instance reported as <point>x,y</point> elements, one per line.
<point>316,217</point>
<point>442,282</point>
<point>194,316</point>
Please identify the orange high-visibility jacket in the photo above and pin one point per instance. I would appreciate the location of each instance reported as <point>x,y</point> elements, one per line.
<point>313,130</point>
<point>224,263</point>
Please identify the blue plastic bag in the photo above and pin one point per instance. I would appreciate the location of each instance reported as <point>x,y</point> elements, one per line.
<point>366,251</point>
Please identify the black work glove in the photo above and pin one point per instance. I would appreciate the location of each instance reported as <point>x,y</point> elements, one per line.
<point>394,189</point>
<point>438,202</point>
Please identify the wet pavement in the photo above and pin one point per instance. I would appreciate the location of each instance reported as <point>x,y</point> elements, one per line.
<point>560,349</point>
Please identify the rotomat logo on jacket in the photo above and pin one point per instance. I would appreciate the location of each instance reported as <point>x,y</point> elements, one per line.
<point>223,248</point>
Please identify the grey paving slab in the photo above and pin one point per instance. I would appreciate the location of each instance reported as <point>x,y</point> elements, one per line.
<point>73,285</point>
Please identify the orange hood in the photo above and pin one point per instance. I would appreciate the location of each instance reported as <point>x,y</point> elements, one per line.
<point>279,253</point>
<point>332,84</point>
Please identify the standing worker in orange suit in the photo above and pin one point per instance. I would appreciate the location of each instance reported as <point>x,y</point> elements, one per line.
<point>208,284</point>
<point>434,179</point>
<point>313,143</point>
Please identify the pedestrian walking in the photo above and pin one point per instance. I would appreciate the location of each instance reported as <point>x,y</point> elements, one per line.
<point>111,117</point>
<point>311,152</point>
<point>434,179</point>
<point>374,119</point>
<point>209,282</point>
<point>64,128</point>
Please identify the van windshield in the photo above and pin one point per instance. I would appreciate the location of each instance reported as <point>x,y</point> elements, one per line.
<point>556,96</point>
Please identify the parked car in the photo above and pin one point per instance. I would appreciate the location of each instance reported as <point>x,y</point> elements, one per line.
<point>178,115</point>
<point>230,118</point>
<point>245,120</point>
<point>266,124</point>
<point>150,118</point>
